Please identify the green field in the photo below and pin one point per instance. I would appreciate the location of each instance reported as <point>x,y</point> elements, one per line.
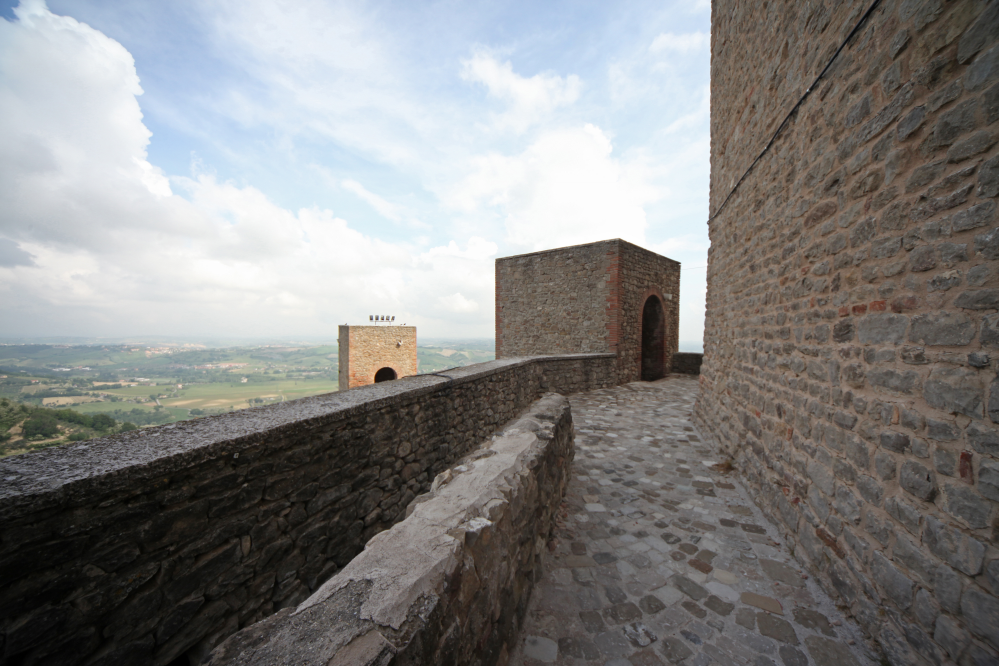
<point>211,397</point>
<point>220,396</point>
<point>40,376</point>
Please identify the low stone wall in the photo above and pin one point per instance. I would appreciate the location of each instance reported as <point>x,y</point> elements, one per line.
<point>450,583</point>
<point>155,545</point>
<point>687,363</point>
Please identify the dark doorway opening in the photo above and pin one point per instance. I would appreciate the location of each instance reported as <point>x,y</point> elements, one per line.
<point>385,374</point>
<point>653,334</point>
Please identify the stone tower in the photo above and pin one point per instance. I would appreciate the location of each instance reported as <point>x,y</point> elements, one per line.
<point>851,337</point>
<point>606,297</point>
<point>370,354</point>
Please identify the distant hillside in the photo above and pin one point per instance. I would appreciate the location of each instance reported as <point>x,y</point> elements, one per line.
<point>127,386</point>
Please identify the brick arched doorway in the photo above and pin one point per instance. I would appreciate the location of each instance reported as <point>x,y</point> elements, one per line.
<point>385,374</point>
<point>653,339</point>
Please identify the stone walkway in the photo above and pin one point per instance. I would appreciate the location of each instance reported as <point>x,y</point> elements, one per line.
<point>664,559</point>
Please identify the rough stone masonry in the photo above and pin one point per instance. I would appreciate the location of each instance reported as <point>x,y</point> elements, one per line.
<point>451,582</point>
<point>154,546</point>
<point>852,332</point>
<point>584,299</point>
<point>365,350</point>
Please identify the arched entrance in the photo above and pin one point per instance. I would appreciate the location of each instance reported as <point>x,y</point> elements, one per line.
<point>653,333</point>
<point>384,375</point>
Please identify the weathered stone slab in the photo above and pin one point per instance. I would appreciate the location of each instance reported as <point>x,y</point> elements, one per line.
<point>445,561</point>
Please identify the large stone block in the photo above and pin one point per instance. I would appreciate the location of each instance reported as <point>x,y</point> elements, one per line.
<point>892,380</point>
<point>990,331</point>
<point>957,549</point>
<point>984,438</point>
<point>882,328</point>
<point>895,584</point>
<point>963,502</point>
<point>942,328</point>
<point>955,390</point>
<point>948,587</point>
<point>981,612</point>
<point>918,480</point>
<point>904,513</point>
<point>988,480</point>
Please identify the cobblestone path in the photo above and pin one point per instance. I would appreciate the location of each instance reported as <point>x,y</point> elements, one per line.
<point>664,559</point>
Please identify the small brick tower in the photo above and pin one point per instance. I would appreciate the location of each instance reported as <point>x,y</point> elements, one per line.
<point>376,353</point>
<point>610,296</point>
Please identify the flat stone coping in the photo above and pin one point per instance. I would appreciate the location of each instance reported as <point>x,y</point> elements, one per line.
<point>33,481</point>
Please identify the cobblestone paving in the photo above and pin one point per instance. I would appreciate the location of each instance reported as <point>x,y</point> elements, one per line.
<point>664,559</point>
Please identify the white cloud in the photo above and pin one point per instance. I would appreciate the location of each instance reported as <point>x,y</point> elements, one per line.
<point>565,188</point>
<point>529,99</point>
<point>92,233</point>
<point>458,303</point>
<point>683,43</point>
<point>91,230</point>
<point>11,254</point>
<point>688,243</point>
<point>385,209</point>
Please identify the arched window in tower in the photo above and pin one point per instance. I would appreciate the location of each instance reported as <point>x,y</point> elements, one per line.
<point>653,339</point>
<point>385,374</point>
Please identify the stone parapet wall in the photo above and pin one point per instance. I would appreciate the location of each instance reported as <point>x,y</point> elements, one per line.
<point>687,363</point>
<point>155,545</point>
<point>450,583</point>
<point>852,334</point>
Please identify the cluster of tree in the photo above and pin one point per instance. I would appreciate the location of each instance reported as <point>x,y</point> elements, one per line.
<point>44,422</point>
<point>100,422</point>
<point>53,393</point>
<point>142,416</point>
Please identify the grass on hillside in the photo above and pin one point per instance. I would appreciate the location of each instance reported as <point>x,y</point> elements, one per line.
<point>25,428</point>
<point>213,397</point>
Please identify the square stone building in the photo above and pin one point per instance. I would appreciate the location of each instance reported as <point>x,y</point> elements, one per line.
<point>371,354</point>
<point>610,296</point>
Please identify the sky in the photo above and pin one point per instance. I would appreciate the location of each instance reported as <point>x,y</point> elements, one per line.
<point>261,168</point>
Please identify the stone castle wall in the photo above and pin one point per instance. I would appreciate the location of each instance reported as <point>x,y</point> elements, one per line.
<point>638,275</point>
<point>364,350</point>
<point>450,583</point>
<point>686,363</point>
<point>584,299</point>
<point>852,334</point>
<point>155,545</point>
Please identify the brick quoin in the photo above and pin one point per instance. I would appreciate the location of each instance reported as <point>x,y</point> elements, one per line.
<point>497,306</point>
